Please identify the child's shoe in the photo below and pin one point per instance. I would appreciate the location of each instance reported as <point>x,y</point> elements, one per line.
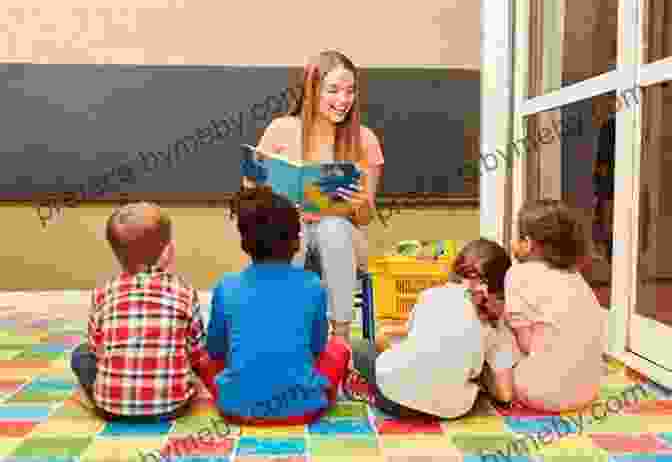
<point>357,388</point>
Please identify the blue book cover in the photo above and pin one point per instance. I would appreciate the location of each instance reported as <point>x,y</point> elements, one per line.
<point>314,185</point>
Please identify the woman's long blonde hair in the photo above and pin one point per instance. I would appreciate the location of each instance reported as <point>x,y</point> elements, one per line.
<point>347,143</point>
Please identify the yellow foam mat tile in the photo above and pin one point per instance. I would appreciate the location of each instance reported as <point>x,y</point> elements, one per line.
<point>21,374</point>
<point>60,366</point>
<point>397,448</point>
<point>615,423</point>
<point>65,426</point>
<point>477,424</point>
<point>263,431</point>
<point>614,364</point>
<point>618,379</point>
<point>656,424</point>
<point>192,424</point>
<point>119,449</point>
<point>573,448</point>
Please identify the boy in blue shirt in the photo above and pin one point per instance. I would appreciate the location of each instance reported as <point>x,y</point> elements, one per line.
<point>269,324</point>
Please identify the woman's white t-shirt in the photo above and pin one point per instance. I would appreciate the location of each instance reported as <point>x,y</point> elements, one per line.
<point>432,369</point>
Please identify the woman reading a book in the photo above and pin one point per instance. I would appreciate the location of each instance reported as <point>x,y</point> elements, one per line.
<point>324,126</point>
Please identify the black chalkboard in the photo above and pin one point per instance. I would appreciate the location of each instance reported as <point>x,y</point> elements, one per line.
<point>98,130</point>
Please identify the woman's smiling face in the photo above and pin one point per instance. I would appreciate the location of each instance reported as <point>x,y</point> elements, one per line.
<point>337,95</point>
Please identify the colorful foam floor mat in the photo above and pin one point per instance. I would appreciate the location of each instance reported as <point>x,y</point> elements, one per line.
<point>41,418</point>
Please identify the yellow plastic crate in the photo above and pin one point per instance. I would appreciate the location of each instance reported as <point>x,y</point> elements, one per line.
<point>398,281</point>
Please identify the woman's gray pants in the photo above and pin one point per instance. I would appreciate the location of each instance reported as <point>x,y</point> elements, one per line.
<point>331,238</point>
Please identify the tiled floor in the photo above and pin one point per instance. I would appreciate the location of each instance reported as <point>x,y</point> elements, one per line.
<point>41,420</point>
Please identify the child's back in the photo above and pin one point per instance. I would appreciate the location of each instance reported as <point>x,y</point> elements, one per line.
<point>556,317</point>
<point>270,324</point>
<point>148,333</point>
<point>564,367</point>
<point>431,369</point>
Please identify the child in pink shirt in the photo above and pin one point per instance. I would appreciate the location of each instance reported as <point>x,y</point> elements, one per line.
<point>553,312</point>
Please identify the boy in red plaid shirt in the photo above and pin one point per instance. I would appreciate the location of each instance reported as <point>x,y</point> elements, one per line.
<point>146,335</point>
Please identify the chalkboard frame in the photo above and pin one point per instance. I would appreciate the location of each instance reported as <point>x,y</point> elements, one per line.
<point>383,201</point>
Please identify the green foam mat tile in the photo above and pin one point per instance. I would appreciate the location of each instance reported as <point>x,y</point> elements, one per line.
<point>347,409</point>
<point>343,447</point>
<point>50,447</point>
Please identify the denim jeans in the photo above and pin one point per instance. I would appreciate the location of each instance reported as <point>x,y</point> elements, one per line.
<point>364,356</point>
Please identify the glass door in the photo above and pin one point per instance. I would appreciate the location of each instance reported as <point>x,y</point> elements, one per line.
<point>593,109</point>
<point>650,326</point>
<point>569,98</point>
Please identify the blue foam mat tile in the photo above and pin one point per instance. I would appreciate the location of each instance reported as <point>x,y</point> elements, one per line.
<point>52,384</point>
<point>536,425</point>
<point>341,427</point>
<point>250,446</point>
<point>29,413</point>
<point>49,348</point>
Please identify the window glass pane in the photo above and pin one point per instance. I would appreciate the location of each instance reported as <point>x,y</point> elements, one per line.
<point>655,206</point>
<point>570,156</point>
<point>570,41</point>
<point>657,30</point>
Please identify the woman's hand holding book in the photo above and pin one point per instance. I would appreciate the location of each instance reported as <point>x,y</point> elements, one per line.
<point>255,168</point>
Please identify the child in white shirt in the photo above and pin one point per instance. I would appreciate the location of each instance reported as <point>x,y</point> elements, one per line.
<point>553,312</point>
<point>433,372</point>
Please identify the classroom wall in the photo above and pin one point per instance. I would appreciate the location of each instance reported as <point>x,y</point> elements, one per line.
<point>72,253</point>
<point>371,33</point>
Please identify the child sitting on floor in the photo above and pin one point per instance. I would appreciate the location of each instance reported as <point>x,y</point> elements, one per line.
<point>146,335</point>
<point>554,313</point>
<point>269,323</point>
<point>433,372</point>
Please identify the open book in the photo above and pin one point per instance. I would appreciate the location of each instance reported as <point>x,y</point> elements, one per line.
<point>313,185</point>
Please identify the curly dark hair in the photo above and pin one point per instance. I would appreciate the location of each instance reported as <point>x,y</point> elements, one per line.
<point>557,229</point>
<point>269,224</point>
<point>485,259</point>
